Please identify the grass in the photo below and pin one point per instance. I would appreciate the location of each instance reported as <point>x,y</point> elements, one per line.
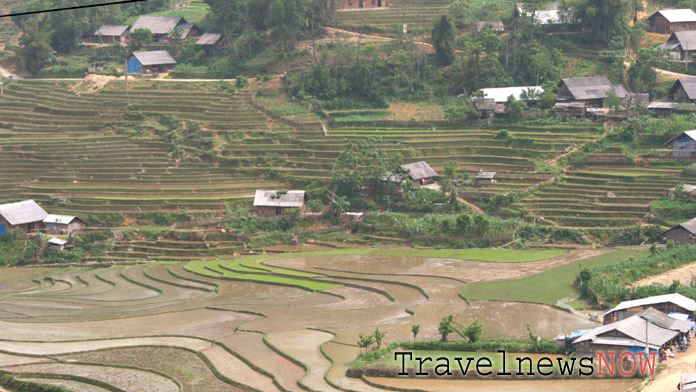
<point>547,287</point>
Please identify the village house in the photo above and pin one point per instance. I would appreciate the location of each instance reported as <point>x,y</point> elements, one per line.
<point>495,25</point>
<point>683,233</point>
<point>486,106</point>
<point>151,62</point>
<point>163,27</point>
<point>501,94</point>
<point>63,224</point>
<point>569,109</point>
<point>548,15</point>
<point>683,90</point>
<point>25,215</point>
<point>277,203</point>
<point>486,178</point>
<point>210,42</point>
<point>109,34</point>
<point>632,334</point>
<point>683,145</point>
<point>419,172</point>
<point>681,45</point>
<point>56,244</point>
<point>669,21</point>
<point>590,90</point>
<point>358,4</point>
<point>686,191</point>
<point>667,303</point>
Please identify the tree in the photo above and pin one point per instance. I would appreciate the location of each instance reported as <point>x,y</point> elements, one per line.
<point>446,327</point>
<point>379,335</point>
<point>549,96</point>
<point>641,74</point>
<point>603,19</point>
<point>473,331</point>
<point>290,219</point>
<point>443,40</point>
<point>315,205</point>
<point>612,100</point>
<point>514,107</point>
<point>142,36</point>
<point>460,13</point>
<point>288,19</point>
<point>415,329</point>
<point>365,341</point>
<point>35,50</point>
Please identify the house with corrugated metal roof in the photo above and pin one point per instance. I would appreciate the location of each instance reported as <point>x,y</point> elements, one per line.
<point>666,304</point>
<point>111,33</point>
<point>669,21</point>
<point>25,215</point>
<point>590,90</point>
<point>683,233</point>
<point>646,328</point>
<point>681,45</point>
<point>151,62</point>
<point>277,203</point>
<point>164,27</point>
<point>501,94</point>
<point>486,178</point>
<point>210,42</point>
<point>419,172</point>
<point>683,145</point>
<point>547,15</point>
<point>63,224</point>
<point>683,90</point>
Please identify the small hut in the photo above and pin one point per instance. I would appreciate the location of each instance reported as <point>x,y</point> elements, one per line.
<point>278,203</point>
<point>151,62</point>
<point>56,244</point>
<point>63,224</point>
<point>683,90</point>
<point>486,178</point>
<point>25,215</point>
<point>683,145</point>
<point>111,33</point>
<point>683,233</point>
<point>420,172</point>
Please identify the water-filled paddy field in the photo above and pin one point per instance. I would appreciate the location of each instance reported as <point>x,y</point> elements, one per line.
<point>269,322</point>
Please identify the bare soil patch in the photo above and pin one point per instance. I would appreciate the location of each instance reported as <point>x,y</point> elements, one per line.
<point>684,274</point>
<point>505,386</point>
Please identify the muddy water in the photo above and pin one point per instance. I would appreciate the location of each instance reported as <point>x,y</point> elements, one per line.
<point>506,386</point>
<point>509,319</point>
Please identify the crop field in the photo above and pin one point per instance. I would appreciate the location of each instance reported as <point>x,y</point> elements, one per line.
<point>389,19</point>
<point>254,323</point>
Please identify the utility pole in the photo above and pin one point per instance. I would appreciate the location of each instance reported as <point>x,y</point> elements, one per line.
<point>127,97</point>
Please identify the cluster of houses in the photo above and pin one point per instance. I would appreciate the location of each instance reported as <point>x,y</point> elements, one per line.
<point>164,29</point>
<point>660,323</point>
<point>27,215</point>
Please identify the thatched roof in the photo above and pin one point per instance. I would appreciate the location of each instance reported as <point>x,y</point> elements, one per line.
<point>22,212</point>
<point>156,57</point>
<point>289,199</point>
<point>158,24</point>
<point>595,87</point>
<point>419,170</point>
<point>112,30</point>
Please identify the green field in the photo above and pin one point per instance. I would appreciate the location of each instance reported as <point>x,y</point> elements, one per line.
<point>547,287</point>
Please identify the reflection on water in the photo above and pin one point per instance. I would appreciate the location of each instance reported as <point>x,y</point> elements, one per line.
<point>510,319</point>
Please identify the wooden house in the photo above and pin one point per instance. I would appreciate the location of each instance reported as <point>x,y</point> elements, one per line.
<point>591,90</point>
<point>669,21</point>
<point>681,45</point>
<point>25,215</point>
<point>151,62</point>
<point>486,106</point>
<point>210,42</point>
<point>419,172</point>
<point>683,233</point>
<point>486,178</point>
<point>109,34</point>
<point>683,90</point>
<point>277,203</point>
<point>63,224</point>
<point>667,303</point>
<point>164,27</point>
<point>683,145</point>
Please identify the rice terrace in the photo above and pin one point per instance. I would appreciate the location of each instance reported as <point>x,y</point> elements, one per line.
<point>347,195</point>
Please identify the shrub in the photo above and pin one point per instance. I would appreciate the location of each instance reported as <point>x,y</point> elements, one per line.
<point>315,205</point>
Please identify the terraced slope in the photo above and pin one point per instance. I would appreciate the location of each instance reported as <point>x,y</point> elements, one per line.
<point>415,13</point>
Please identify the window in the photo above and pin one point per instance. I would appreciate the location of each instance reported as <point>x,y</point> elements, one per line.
<point>279,211</point>
<point>683,27</point>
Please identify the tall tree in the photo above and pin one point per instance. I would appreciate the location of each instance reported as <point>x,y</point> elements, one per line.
<point>603,19</point>
<point>443,40</point>
<point>288,19</point>
<point>35,48</point>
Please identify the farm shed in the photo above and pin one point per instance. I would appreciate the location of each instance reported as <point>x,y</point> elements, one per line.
<point>669,21</point>
<point>63,224</point>
<point>277,203</point>
<point>419,172</point>
<point>111,33</point>
<point>25,215</point>
<point>485,178</point>
<point>164,26</point>
<point>56,244</point>
<point>681,45</point>
<point>591,90</point>
<point>548,15</point>
<point>666,304</point>
<point>147,62</point>
<point>569,109</point>
<point>683,233</point>
<point>683,90</point>
<point>209,39</point>
<point>683,145</point>
<point>633,100</point>
<point>486,106</point>
<point>494,25</point>
<point>627,335</point>
<point>501,94</point>
<point>686,191</point>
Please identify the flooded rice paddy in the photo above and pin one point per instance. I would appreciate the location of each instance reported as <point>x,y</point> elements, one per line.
<point>262,335</point>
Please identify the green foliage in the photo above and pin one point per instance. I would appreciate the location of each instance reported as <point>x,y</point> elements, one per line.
<point>473,331</point>
<point>241,82</point>
<point>10,382</point>
<point>379,336</point>
<point>35,49</point>
<point>462,225</point>
<point>515,346</point>
<point>104,219</point>
<point>459,12</point>
<point>642,74</point>
<point>674,210</point>
<point>514,107</point>
<point>15,247</point>
<point>365,341</point>
<point>603,19</point>
<point>315,205</point>
<point>290,219</point>
<point>445,328</point>
<point>140,37</point>
<point>415,329</point>
<point>443,40</point>
<point>162,218</point>
<point>612,101</point>
<point>462,111</point>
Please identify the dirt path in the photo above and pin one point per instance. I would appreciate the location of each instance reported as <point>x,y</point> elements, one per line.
<point>7,74</point>
<point>670,377</point>
<point>673,75</point>
<point>429,47</point>
<point>684,274</point>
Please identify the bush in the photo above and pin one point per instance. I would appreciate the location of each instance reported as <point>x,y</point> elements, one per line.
<point>315,205</point>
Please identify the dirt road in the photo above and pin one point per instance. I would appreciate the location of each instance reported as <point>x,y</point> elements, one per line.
<point>673,75</point>
<point>668,379</point>
<point>7,74</point>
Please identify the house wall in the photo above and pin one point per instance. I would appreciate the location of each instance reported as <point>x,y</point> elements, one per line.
<point>678,94</point>
<point>665,307</point>
<point>684,148</point>
<point>59,228</point>
<point>33,226</point>
<point>357,4</point>
<point>679,236</point>
<point>157,68</point>
<point>272,211</point>
<point>660,25</point>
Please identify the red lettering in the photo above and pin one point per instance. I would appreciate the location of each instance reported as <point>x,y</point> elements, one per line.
<point>649,363</point>
<point>601,358</point>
